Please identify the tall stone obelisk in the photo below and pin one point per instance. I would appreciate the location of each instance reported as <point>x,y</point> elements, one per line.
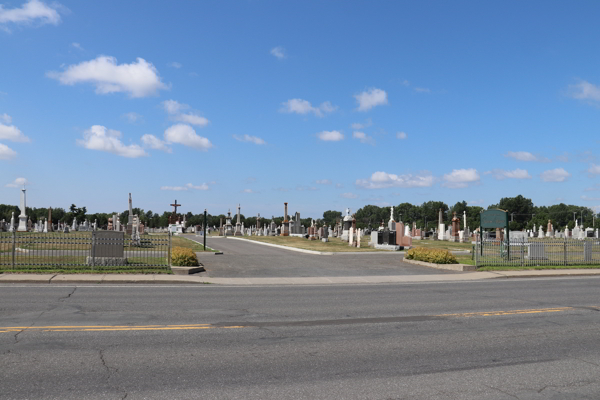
<point>129,228</point>
<point>23,217</point>
<point>286,222</point>
<point>238,224</point>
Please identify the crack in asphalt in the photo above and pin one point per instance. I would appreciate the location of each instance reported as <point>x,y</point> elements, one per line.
<point>69,295</point>
<point>110,371</point>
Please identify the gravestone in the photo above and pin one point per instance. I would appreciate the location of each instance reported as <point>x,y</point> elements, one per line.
<point>109,249</point>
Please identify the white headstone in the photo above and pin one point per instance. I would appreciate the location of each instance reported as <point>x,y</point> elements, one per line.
<point>23,217</point>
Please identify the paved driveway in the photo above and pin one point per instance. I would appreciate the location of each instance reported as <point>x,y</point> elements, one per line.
<point>247,259</point>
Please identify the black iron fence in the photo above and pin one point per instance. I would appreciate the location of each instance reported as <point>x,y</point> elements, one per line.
<point>97,251</point>
<point>537,252</point>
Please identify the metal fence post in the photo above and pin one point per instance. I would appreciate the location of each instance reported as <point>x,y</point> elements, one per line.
<point>565,251</point>
<point>93,249</point>
<point>169,251</point>
<point>14,240</point>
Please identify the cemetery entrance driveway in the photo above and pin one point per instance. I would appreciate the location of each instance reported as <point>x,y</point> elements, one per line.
<point>245,259</point>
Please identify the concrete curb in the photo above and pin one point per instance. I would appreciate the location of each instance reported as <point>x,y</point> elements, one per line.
<point>67,279</point>
<point>451,267</point>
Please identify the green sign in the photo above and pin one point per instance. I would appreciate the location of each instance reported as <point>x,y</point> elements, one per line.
<point>494,219</point>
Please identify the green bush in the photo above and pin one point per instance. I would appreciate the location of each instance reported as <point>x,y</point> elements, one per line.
<point>436,256</point>
<point>183,257</point>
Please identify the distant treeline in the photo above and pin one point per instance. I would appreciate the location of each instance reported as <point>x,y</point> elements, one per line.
<point>524,214</point>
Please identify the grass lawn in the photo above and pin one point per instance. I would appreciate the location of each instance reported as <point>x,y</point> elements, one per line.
<point>182,241</point>
<point>334,245</point>
<point>466,259</point>
<point>77,265</point>
<point>442,244</point>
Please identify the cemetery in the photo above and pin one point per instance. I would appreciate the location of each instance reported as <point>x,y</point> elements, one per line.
<point>126,243</point>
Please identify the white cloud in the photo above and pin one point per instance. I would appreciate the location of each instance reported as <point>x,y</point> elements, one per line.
<point>17,183</point>
<point>100,138</point>
<point>174,109</point>
<point>339,185</point>
<point>401,135</point>
<point>248,138</point>
<point>132,117</point>
<point>188,186</point>
<point>525,156</point>
<point>349,195</point>
<point>593,188</point>
<point>192,119</point>
<point>6,153</point>
<point>77,46</point>
<point>371,98</point>
<point>460,178</point>
<point>555,175</point>
<point>594,169</point>
<point>501,174</point>
<point>363,137</point>
<point>299,106</point>
<point>323,182</point>
<point>34,11</point>
<point>173,188</point>
<point>584,91</point>
<point>186,135</point>
<point>155,143</point>
<point>422,90</point>
<point>330,136</point>
<point>249,191</point>
<point>204,186</point>
<point>7,119</point>
<point>357,126</point>
<point>12,133</point>
<point>173,106</point>
<point>278,52</point>
<point>174,64</point>
<point>381,180</point>
<point>139,79</point>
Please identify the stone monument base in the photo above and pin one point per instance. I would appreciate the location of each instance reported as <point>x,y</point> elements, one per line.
<point>388,247</point>
<point>107,261</point>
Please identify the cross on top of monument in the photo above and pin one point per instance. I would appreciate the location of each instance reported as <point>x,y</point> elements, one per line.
<point>175,205</point>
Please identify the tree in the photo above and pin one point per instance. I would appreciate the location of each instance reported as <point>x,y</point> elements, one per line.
<point>520,209</point>
<point>330,217</point>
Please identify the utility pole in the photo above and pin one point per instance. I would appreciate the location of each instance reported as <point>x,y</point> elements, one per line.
<point>512,217</point>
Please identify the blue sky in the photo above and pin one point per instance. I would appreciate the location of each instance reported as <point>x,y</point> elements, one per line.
<point>325,105</point>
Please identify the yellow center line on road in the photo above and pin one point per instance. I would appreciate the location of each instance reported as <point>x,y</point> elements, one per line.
<point>109,328</point>
<point>511,312</point>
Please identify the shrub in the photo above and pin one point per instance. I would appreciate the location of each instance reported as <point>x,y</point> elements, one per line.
<point>436,256</point>
<point>183,257</point>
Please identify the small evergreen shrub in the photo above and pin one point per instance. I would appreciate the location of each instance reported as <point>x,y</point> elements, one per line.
<point>183,257</point>
<point>436,256</point>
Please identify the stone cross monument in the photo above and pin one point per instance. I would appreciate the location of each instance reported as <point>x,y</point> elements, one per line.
<point>173,217</point>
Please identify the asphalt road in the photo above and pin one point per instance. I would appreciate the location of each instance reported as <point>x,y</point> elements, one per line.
<point>243,259</point>
<point>501,339</point>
